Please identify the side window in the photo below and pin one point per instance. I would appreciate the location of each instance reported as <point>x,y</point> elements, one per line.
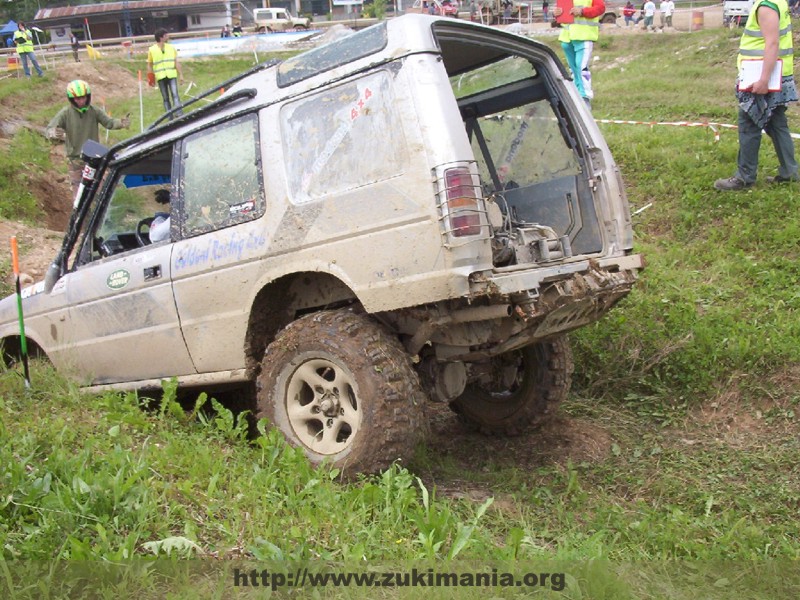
<point>342,137</point>
<point>134,202</point>
<point>220,181</point>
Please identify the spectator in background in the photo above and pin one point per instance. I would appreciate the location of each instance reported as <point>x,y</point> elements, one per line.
<point>640,16</point>
<point>628,13</point>
<point>226,31</point>
<point>473,11</point>
<point>649,11</point>
<point>163,67</point>
<point>237,30</point>
<point>507,11</point>
<point>24,42</point>
<point>545,11</point>
<point>667,7</point>
<point>73,41</point>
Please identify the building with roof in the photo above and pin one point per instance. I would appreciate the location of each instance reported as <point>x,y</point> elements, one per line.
<point>142,17</point>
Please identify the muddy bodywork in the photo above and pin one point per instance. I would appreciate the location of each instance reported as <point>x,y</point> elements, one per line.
<point>438,175</point>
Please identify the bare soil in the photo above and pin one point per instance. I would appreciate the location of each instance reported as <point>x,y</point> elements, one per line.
<point>38,245</point>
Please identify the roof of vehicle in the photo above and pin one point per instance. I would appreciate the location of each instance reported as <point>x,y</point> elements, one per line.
<point>460,42</point>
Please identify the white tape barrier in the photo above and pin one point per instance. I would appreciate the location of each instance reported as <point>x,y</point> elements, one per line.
<point>714,127</point>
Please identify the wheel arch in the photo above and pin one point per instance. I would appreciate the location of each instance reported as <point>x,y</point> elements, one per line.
<point>283,300</point>
<point>11,349</point>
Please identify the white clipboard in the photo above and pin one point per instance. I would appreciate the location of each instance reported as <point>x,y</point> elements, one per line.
<point>750,72</point>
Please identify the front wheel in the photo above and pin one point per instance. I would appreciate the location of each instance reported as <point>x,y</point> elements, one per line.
<point>343,389</point>
<point>517,391</point>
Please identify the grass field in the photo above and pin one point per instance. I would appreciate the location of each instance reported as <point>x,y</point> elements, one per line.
<point>688,393</point>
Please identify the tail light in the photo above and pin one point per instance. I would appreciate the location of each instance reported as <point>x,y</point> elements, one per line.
<point>460,207</point>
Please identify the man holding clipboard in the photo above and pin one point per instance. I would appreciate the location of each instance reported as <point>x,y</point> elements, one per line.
<point>765,87</point>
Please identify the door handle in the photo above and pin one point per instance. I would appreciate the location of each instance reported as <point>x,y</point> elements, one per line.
<point>151,273</point>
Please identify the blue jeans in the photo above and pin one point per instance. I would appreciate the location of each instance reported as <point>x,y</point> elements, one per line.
<point>750,142</point>
<point>24,56</point>
<point>169,85</point>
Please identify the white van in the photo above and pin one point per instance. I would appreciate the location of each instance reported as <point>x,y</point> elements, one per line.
<point>735,12</point>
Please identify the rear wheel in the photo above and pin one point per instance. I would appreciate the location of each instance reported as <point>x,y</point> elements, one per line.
<point>517,391</point>
<point>342,388</point>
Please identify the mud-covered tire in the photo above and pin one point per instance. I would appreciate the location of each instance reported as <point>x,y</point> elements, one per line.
<point>341,387</point>
<point>541,376</point>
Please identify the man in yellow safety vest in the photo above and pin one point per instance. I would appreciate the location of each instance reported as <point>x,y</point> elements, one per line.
<point>764,89</point>
<point>162,67</point>
<point>24,43</point>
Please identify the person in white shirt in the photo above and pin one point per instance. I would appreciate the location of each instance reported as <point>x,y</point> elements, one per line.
<point>667,7</point>
<point>649,13</point>
<point>159,228</point>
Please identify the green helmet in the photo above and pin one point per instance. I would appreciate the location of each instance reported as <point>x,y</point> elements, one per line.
<point>78,89</point>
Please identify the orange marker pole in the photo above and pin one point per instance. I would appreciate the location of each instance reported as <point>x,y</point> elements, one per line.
<point>23,344</point>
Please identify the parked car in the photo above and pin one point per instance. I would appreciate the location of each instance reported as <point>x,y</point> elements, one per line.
<point>735,12</point>
<point>278,19</point>
<point>418,212</point>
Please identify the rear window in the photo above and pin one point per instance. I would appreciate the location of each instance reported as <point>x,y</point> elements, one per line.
<point>369,41</point>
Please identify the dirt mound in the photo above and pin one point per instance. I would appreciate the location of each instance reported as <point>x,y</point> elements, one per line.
<point>106,80</point>
<point>51,188</point>
<point>37,248</point>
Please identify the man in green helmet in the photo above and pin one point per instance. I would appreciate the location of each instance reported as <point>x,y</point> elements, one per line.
<point>78,122</point>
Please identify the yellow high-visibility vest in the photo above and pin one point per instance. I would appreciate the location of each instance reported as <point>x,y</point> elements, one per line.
<point>583,29</point>
<point>24,41</point>
<point>164,62</point>
<point>752,43</point>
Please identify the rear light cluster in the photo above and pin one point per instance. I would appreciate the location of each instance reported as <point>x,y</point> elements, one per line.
<point>461,206</point>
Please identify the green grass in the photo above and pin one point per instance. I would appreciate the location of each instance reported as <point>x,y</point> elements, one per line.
<point>674,474</point>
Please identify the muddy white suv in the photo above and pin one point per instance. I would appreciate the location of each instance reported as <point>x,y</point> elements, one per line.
<point>417,212</point>
<point>278,19</point>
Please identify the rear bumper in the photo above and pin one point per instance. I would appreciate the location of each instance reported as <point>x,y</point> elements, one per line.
<point>532,280</point>
<point>549,302</point>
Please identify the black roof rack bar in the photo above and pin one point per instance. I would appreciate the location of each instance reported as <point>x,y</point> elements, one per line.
<point>187,118</point>
<point>223,85</point>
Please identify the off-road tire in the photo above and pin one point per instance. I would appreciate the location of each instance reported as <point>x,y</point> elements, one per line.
<point>345,356</point>
<point>542,382</point>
